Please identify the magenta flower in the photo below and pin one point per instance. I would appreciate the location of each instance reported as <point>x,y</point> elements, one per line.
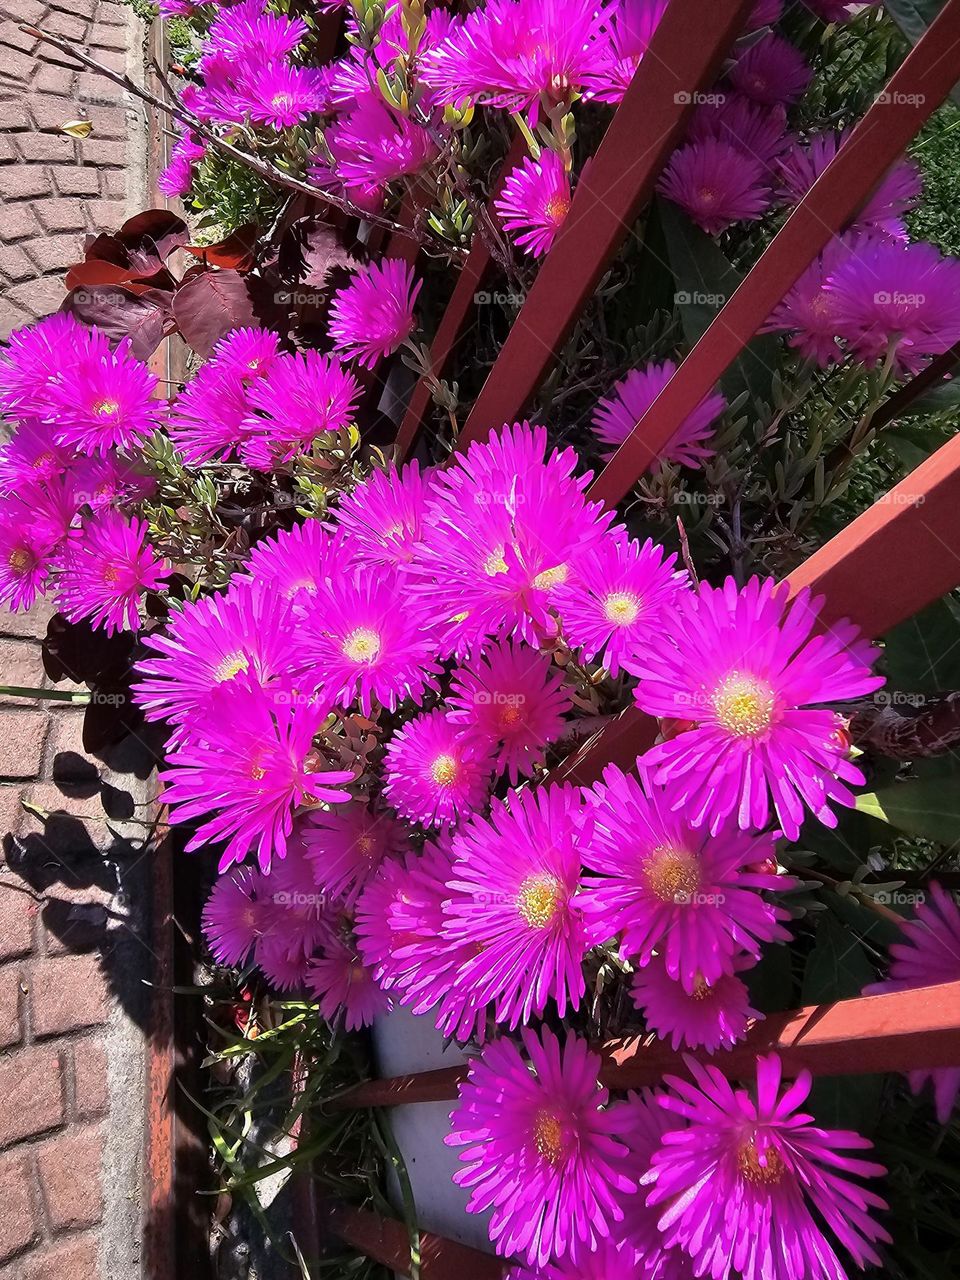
<point>764,14</point>
<point>511,52</point>
<point>712,1016</point>
<point>622,408</point>
<point>243,634</point>
<point>504,526</point>
<point>895,298</point>
<point>28,543</point>
<point>295,563</point>
<point>372,145</point>
<point>245,769</point>
<point>519,874</point>
<point>436,773</point>
<point>279,95</point>
<point>609,1261</point>
<point>642,1124</point>
<point>247,34</point>
<point>668,887</point>
<point>631,27</point>
<point>746,668</point>
<point>362,640</point>
<point>373,315</point>
<point>758,131</point>
<point>542,1148</point>
<point>345,846</point>
<point>770,71</point>
<point>299,398</point>
<point>535,202</point>
<point>103,400</point>
<point>176,179</point>
<point>809,312</point>
<point>107,564</point>
<point>929,954</point>
<point>342,984</point>
<point>235,915</point>
<point>515,701</point>
<point>31,456</point>
<point>401,930</point>
<point>883,213</point>
<point>34,357</point>
<point>617,596</point>
<point>740,1185</point>
<point>716,184</point>
<point>382,518</point>
<point>107,481</point>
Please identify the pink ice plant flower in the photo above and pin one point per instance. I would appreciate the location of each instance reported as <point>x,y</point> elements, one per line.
<point>106,567</point>
<point>928,954</point>
<point>716,184</point>
<point>34,357</point>
<point>760,132</point>
<point>899,301</point>
<point>372,145</point>
<point>713,1016</point>
<point>103,400</point>
<point>435,772</point>
<point>625,404</point>
<point>897,194</point>
<point>300,397</point>
<point>771,71</point>
<point>31,457</point>
<point>295,563</point>
<point>738,1188</point>
<point>631,27</point>
<point>542,1148</point>
<point>243,634</point>
<point>512,53</point>
<point>745,666</point>
<point>534,202</point>
<point>515,701</point>
<point>344,986</point>
<point>244,771</point>
<point>372,316</point>
<point>29,541</point>
<point>504,526</point>
<point>382,518</point>
<point>235,915</point>
<point>617,596</point>
<point>345,846</point>
<point>809,312</point>
<point>518,874</point>
<point>664,886</point>
<point>279,95</point>
<point>177,177</point>
<point>364,641</point>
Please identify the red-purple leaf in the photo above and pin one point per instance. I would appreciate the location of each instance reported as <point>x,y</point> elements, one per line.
<point>154,229</point>
<point>121,313</point>
<point>210,305</point>
<point>236,252</point>
<point>310,250</point>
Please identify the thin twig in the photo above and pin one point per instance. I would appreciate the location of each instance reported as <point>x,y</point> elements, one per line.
<point>269,172</point>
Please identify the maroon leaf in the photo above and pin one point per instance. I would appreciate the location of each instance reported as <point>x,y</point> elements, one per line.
<point>236,252</point>
<point>121,313</point>
<point>105,247</point>
<point>310,250</point>
<point>210,305</point>
<point>158,230</point>
<point>96,271</point>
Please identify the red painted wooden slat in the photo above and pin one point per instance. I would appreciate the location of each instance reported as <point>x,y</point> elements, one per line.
<point>899,1031</point>
<point>461,305</point>
<point>899,555</point>
<point>684,56</point>
<point>387,1242</point>
<point>921,83</point>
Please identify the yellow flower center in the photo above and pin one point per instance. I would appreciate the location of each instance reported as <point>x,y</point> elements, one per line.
<point>20,560</point>
<point>557,208</point>
<point>707,195</point>
<point>42,460</point>
<point>621,608</point>
<point>257,771</point>
<point>551,577</point>
<point>444,770</point>
<point>231,666</point>
<point>820,306</point>
<point>744,705</point>
<point>701,988</point>
<point>495,563</point>
<point>509,715</point>
<point>366,846</point>
<point>672,875</point>
<point>106,408</point>
<point>362,645</point>
<point>764,1170</point>
<point>548,1136</point>
<point>539,900</point>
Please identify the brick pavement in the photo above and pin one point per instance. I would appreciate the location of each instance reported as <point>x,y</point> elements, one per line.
<point>72,878</point>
